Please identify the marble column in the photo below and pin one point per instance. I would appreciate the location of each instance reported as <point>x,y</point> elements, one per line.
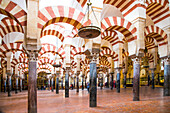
<point>111,81</point>
<point>166,91</point>
<point>82,82</point>
<point>4,85</point>
<point>124,82</point>
<point>57,85</point>
<point>16,88</point>
<point>153,79</point>
<point>77,84</point>
<point>67,83</point>
<point>118,80</point>
<point>74,82</point>
<point>158,79</point>
<point>107,81</point>
<point>62,87</point>
<point>52,85</point>
<point>32,84</point>
<point>93,84</point>
<point>20,84</point>
<point>85,82</point>
<point>136,77</point>
<point>9,83</point>
<point>49,84</point>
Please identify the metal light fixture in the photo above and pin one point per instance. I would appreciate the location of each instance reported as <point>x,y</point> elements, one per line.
<point>89,32</point>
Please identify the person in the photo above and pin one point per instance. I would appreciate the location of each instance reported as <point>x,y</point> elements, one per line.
<point>88,86</point>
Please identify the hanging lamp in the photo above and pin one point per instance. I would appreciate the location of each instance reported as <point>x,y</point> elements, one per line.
<point>89,32</point>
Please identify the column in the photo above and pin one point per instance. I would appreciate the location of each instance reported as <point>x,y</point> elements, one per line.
<point>32,83</point>
<point>9,83</point>
<point>153,79</point>
<point>74,82</point>
<point>118,79</point>
<point>124,82</point>
<point>107,81</point>
<point>93,84</point>
<point>16,88</point>
<point>52,81</point>
<point>67,82</point>
<point>111,81</point>
<point>62,87</point>
<point>158,79</point>
<point>85,82</point>
<point>78,81</point>
<point>57,83</point>
<point>4,85</point>
<point>20,84</point>
<point>49,83</point>
<point>82,82</point>
<point>166,91</point>
<point>136,77</point>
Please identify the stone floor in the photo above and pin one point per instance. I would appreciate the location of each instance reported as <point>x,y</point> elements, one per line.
<point>108,101</point>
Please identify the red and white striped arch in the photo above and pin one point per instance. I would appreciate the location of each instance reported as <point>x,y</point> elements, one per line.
<point>55,30</point>
<point>75,51</point>
<point>149,42</point>
<point>158,10</point>
<point>25,70</point>
<point>54,14</point>
<point>82,2</point>
<point>10,48</point>
<point>49,48</point>
<point>121,25</point>
<point>111,36</point>
<point>3,63</point>
<point>125,6</point>
<point>73,64</point>
<point>150,57</point>
<point>20,60</point>
<point>107,52</point>
<point>23,55</point>
<point>45,67</point>
<point>43,70</point>
<point>157,33</point>
<point>22,66</point>
<point>13,11</point>
<point>45,61</point>
<point>8,25</point>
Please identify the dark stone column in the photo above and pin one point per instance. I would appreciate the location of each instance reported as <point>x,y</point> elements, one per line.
<point>74,84</point>
<point>82,83</point>
<point>77,84</point>
<point>20,84</point>
<point>93,83</point>
<point>4,85</point>
<point>67,83</point>
<point>16,88</point>
<point>118,80</point>
<point>166,91</point>
<point>57,85</point>
<point>158,79</point>
<point>111,82</point>
<point>153,79</point>
<point>52,85</point>
<point>148,80</point>
<point>62,87</point>
<point>124,82</point>
<point>85,82</point>
<point>32,86</point>
<point>107,81</point>
<point>9,83</point>
<point>136,77</point>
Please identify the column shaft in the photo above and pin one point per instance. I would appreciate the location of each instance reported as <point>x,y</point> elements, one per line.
<point>153,84</point>
<point>57,85</point>
<point>166,91</point>
<point>20,84</point>
<point>118,82</point>
<point>62,84</point>
<point>4,86</point>
<point>124,80</point>
<point>111,82</point>
<point>77,84</point>
<point>136,76</point>
<point>74,83</point>
<point>9,85</point>
<point>16,88</point>
<point>52,84</point>
<point>66,84</point>
<point>32,87</point>
<point>93,85</point>
<point>82,84</point>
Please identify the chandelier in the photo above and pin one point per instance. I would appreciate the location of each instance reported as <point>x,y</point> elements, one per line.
<point>89,32</point>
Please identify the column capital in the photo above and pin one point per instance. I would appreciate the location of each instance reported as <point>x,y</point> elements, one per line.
<point>166,61</point>
<point>33,55</point>
<point>118,69</point>
<point>136,60</point>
